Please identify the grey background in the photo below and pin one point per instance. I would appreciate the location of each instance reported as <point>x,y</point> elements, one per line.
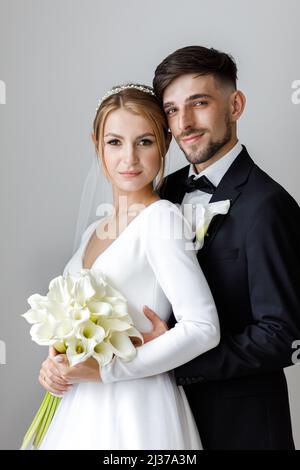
<point>57,57</point>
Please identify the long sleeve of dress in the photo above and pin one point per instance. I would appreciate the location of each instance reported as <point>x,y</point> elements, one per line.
<point>166,240</point>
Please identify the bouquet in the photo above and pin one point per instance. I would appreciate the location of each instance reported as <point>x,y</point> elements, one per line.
<point>82,316</point>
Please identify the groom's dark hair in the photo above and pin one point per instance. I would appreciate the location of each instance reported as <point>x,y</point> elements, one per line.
<point>198,60</point>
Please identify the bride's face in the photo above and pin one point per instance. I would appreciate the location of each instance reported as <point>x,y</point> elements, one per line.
<point>131,154</point>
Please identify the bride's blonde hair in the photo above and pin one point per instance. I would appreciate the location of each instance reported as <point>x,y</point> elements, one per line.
<point>143,104</point>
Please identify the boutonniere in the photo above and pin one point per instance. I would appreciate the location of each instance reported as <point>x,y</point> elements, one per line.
<point>205,214</point>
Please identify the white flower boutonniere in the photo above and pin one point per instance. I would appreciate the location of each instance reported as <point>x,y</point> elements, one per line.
<point>205,214</point>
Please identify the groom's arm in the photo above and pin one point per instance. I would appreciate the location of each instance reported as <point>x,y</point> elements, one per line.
<point>265,345</point>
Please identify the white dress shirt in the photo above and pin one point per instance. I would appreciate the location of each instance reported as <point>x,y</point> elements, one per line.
<point>214,173</point>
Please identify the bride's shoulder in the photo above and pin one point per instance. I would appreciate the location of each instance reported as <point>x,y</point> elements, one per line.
<point>163,214</point>
<point>163,206</point>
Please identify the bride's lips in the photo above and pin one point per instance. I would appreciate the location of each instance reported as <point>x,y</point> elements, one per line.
<point>192,138</point>
<point>130,174</point>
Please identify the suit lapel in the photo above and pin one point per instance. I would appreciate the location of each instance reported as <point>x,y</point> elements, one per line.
<point>230,187</point>
<point>174,188</point>
<point>226,192</point>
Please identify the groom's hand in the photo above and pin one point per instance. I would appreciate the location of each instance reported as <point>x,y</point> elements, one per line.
<point>159,326</point>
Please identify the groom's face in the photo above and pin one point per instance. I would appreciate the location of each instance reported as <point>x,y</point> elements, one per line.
<point>198,112</point>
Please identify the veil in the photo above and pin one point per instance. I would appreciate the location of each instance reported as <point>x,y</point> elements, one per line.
<point>96,200</point>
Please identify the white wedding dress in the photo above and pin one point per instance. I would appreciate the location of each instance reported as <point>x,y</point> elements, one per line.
<point>138,404</point>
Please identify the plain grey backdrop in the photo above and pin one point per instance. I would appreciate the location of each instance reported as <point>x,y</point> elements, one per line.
<point>56,59</point>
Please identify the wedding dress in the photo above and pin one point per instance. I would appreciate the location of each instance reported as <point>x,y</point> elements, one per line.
<point>138,405</point>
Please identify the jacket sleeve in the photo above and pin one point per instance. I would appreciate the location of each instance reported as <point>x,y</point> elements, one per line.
<point>273,259</point>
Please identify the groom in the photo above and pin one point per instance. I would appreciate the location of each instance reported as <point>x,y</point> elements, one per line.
<point>251,258</point>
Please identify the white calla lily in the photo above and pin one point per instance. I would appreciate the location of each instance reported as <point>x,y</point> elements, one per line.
<point>204,215</point>
<point>60,346</point>
<point>122,345</point>
<point>113,324</point>
<point>70,281</point>
<point>38,302</point>
<point>90,332</point>
<point>120,309</point>
<point>59,291</point>
<point>99,282</point>
<point>79,315</point>
<point>103,353</point>
<point>83,289</point>
<point>64,329</point>
<point>113,294</point>
<point>35,316</point>
<point>59,311</point>
<point>43,333</point>
<point>132,332</point>
<point>100,308</point>
<point>78,351</point>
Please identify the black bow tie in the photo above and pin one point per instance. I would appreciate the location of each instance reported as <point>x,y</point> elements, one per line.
<point>202,183</point>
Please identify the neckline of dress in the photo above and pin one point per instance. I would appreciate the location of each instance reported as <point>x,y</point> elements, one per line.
<point>83,251</point>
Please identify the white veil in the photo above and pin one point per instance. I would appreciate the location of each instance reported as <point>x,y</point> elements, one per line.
<point>96,200</point>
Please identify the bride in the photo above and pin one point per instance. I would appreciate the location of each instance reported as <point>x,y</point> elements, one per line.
<point>145,252</point>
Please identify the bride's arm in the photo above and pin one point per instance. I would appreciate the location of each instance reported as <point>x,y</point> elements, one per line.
<point>181,278</point>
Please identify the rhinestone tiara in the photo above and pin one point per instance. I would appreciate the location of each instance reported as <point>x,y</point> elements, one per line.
<point>117,89</point>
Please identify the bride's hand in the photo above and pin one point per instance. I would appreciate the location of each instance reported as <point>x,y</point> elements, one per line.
<point>50,375</point>
<point>87,371</point>
<point>159,326</point>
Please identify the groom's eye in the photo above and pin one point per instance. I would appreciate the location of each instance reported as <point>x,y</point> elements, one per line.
<point>200,103</point>
<point>170,111</point>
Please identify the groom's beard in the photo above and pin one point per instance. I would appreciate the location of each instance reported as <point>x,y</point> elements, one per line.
<point>196,155</point>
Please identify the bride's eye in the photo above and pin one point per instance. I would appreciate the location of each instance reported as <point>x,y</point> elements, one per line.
<point>145,142</point>
<point>114,142</point>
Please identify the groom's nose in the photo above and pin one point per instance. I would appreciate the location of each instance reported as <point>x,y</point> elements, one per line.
<point>185,119</point>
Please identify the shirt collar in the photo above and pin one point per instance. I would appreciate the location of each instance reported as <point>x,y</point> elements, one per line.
<point>217,170</point>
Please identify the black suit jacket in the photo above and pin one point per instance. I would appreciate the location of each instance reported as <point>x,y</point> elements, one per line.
<point>251,259</point>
